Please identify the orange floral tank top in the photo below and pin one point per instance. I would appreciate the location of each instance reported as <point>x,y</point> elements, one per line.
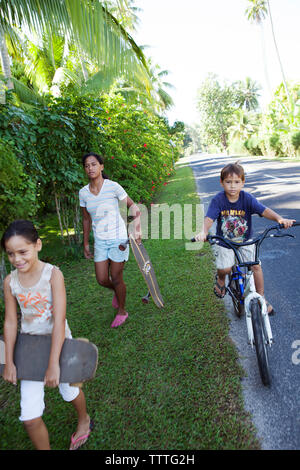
<point>36,303</point>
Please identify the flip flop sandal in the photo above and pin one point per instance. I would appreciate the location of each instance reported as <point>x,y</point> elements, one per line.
<point>272,312</point>
<point>221,288</point>
<point>119,320</point>
<point>83,438</point>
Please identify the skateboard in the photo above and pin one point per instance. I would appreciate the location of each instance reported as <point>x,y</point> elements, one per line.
<point>146,268</point>
<point>78,359</point>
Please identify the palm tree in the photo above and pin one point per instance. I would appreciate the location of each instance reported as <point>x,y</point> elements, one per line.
<point>257,12</point>
<point>277,52</point>
<point>88,24</point>
<point>125,12</point>
<point>248,94</point>
<point>155,97</point>
<point>243,126</point>
<point>5,63</point>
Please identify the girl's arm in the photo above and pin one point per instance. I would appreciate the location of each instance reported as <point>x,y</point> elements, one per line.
<point>86,233</point>
<point>58,332</point>
<point>135,212</point>
<point>10,332</point>
<point>271,215</point>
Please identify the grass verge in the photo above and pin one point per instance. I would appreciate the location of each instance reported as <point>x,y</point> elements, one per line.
<point>166,379</point>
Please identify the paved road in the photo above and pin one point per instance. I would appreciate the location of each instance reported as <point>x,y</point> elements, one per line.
<point>275,410</point>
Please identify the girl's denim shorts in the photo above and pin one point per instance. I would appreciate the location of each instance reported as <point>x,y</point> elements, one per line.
<point>109,249</point>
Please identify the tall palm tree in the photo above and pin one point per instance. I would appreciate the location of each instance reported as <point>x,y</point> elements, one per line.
<point>277,52</point>
<point>5,63</point>
<point>86,23</point>
<point>257,12</point>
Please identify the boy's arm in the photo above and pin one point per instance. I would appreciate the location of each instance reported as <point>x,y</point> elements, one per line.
<point>10,332</point>
<point>271,215</point>
<point>201,236</point>
<point>58,332</point>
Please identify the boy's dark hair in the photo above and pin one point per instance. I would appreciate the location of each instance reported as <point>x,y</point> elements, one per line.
<point>23,228</point>
<point>233,168</point>
<point>98,157</point>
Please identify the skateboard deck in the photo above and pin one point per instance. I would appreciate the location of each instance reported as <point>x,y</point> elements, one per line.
<point>78,359</point>
<point>146,268</point>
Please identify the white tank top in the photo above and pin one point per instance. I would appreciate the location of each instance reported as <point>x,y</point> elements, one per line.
<point>36,303</point>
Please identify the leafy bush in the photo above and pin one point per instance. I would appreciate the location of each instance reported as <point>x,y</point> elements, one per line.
<point>17,189</point>
<point>296,140</point>
<point>276,144</point>
<point>253,145</point>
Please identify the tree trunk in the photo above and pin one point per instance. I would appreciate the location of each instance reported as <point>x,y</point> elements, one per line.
<point>5,63</point>
<point>57,205</point>
<point>278,55</point>
<point>265,61</point>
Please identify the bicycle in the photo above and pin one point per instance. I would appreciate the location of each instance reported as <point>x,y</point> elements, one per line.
<point>246,300</point>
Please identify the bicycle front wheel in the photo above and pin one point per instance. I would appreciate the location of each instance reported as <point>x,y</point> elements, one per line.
<point>235,294</point>
<point>260,341</point>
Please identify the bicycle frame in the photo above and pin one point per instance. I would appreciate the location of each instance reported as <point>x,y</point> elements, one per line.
<point>248,293</point>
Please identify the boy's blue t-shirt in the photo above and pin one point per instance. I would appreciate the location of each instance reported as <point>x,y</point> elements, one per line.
<point>234,219</point>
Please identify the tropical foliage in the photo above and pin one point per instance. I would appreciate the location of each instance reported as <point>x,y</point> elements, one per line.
<point>79,83</point>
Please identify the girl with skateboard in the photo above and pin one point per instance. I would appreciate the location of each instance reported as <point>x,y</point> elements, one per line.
<point>99,201</point>
<point>39,290</point>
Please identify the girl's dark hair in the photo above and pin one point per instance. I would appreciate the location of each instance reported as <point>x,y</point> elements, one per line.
<point>23,228</point>
<point>233,169</point>
<point>98,157</point>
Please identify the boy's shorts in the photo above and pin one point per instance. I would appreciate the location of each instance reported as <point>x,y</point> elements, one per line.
<point>225,257</point>
<point>32,398</point>
<point>109,249</point>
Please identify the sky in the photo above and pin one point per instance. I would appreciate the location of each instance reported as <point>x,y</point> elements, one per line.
<point>192,38</point>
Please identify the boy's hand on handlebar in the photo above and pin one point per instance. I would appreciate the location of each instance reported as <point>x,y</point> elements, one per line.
<point>287,223</point>
<point>201,237</point>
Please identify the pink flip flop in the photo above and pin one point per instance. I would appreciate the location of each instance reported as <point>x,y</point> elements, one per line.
<point>81,439</point>
<point>119,320</point>
<point>115,303</point>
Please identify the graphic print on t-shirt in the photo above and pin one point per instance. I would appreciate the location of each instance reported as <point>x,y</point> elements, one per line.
<point>233,225</point>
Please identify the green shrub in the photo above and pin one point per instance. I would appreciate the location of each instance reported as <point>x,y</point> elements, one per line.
<point>296,140</point>
<point>18,190</point>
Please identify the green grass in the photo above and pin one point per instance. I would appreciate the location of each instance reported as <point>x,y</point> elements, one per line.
<point>166,379</point>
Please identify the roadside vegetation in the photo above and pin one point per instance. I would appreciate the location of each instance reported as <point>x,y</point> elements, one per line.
<point>231,116</point>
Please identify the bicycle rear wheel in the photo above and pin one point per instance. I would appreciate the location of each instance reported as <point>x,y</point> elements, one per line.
<point>260,341</point>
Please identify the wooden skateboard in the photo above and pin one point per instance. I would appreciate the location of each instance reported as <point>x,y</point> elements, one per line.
<point>78,359</point>
<point>146,268</point>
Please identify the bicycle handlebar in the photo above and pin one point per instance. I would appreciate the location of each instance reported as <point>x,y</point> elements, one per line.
<point>257,241</point>
<point>261,237</point>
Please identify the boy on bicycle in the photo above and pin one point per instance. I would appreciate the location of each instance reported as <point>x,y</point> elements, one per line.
<point>233,209</point>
